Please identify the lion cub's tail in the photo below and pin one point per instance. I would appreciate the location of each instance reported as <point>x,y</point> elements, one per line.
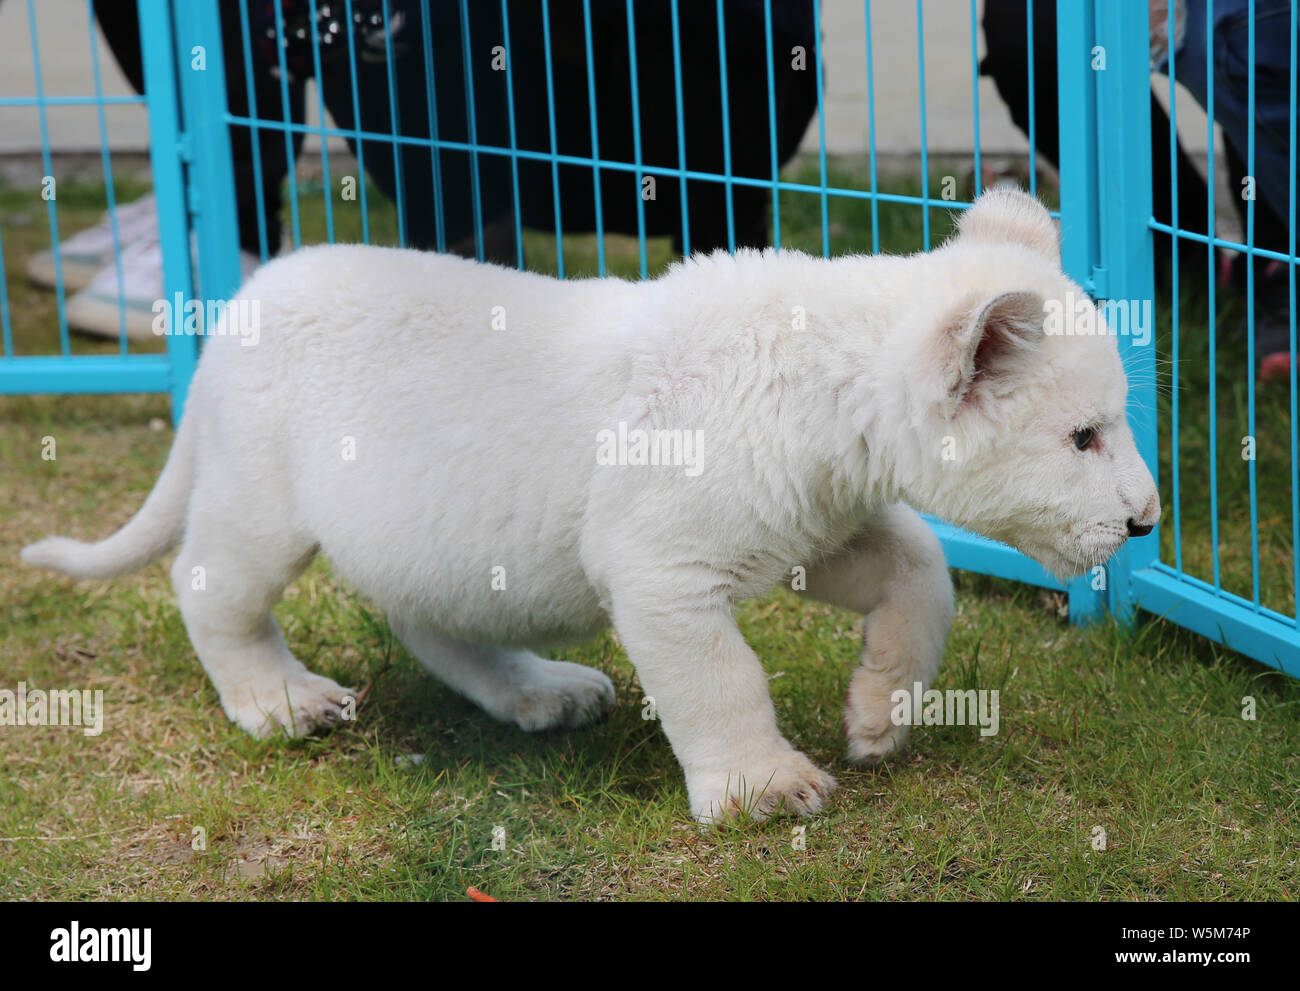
<point>149,534</point>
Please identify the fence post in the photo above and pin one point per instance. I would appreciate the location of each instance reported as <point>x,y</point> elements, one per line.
<point>213,209</point>
<point>1104,81</point>
<point>166,161</point>
<point>1127,269</point>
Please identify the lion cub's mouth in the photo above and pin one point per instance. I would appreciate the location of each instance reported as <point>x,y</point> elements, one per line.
<point>1094,545</point>
<point>1078,552</point>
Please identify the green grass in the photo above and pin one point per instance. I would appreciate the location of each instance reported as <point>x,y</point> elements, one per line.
<point>1135,730</point>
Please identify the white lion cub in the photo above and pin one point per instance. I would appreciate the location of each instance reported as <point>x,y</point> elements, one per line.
<point>504,461</point>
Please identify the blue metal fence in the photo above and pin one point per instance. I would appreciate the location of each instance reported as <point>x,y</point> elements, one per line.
<point>1106,214</point>
<point>127,370</point>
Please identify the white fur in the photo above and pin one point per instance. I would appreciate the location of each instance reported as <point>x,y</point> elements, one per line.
<point>476,450</point>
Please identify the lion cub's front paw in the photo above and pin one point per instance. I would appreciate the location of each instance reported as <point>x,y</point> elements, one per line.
<point>872,733</point>
<point>787,782</point>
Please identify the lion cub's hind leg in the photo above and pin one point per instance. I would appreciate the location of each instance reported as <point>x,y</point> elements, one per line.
<point>231,569</point>
<point>512,685</point>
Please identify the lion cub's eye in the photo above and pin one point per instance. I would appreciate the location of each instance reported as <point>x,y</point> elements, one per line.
<point>1084,437</point>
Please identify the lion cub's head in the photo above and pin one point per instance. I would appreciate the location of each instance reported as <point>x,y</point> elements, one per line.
<point>1016,379</point>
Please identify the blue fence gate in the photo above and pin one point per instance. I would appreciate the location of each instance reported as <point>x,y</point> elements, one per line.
<point>488,149</point>
<point>69,369</point>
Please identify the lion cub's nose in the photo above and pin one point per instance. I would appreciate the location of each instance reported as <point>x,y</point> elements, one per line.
<point>1136,529</point>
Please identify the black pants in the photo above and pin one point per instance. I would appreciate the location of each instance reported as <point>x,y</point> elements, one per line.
<point>411,166</point>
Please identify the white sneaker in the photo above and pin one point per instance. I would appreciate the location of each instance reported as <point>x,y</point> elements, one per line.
<point>101,307</point>
<point>85,253</point>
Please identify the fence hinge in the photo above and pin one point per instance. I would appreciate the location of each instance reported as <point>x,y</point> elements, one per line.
<point>1099,282</point>
<point>185,153</point>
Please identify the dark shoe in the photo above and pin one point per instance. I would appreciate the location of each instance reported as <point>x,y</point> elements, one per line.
<point>1273,331</point>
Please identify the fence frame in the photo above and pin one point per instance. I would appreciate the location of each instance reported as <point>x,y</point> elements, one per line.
<point>171,371</point>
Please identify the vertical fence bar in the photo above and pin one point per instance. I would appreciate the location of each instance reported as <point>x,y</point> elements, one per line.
<point>771,121</point>
<point>51,204</point>
<point>925,131</point>
<point>1175,293</point>
<point>1250,306</point>
<point>1033,122</point>
<point>1295,426</point>
<point>287,119</point>
<point>471,120</point>
<point>821,129</point>
<point>1211,284</point>
<point>555,164</point>
<point>726,130</point>
<point>595,135</point>
<point>211,170</point>
<point>254,134</point>
<point>871,134</point>
<point>636,134</point>
<point>356,123</point>
<point>106,164</point>
<point>320,117</point>
<point>514,142</point>
<point>681,129</point>
<point>975,90</point>
<point>435,154</point>
<point>395,123</point>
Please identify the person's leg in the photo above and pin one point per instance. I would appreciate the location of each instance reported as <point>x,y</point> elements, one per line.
<point>258,179</point>
<point>1271,118</point>
<point>83,256</point>
<point>721,215</point>
<point>624,205</point>
<point>1270,227</point>
<point>119,22</point>
<point>1006,62</point>
<point>1006,29</point>
<point>404,171</point>
<point>795,84</point>
<point>1269,122</point>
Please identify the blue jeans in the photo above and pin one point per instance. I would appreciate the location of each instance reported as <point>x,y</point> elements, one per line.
<point>1231,66</point>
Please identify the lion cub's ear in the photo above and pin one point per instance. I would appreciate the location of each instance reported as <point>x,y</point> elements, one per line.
<point>984,344</point>
<point>1008,216</point>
